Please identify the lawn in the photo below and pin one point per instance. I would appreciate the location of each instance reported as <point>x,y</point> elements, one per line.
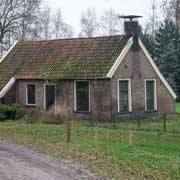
<point>178,107</point>
<point>154,155</point>
<point>169,123</point>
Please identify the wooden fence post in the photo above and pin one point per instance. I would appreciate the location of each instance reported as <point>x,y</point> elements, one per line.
<point>69,128</point>
<point>139,121</point>
<point>164,121</point>
<point>96,135</point>
<point>68,132</point>
<point>130,139</point>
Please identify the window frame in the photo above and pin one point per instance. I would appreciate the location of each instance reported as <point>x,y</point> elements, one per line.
<point>129,96</point>
<point>45,95</point>
<point>27,84</point>
<point>75,96</point>
<point>155,95</point>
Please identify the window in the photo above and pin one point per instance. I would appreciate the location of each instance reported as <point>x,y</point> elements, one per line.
<point>30,94</point>
<point>150,95</point>
<point>124,102</point>
<point>82,96</point>
<point>50,96</point>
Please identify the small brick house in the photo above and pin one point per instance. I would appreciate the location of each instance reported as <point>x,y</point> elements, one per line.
<point>100,77</point>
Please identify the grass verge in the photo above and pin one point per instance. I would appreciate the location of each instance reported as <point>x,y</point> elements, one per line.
<point>178,107</point>
<point>154,155</point>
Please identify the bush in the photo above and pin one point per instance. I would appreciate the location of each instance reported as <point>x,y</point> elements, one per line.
<point>36,115</point>
<point>10,112</point>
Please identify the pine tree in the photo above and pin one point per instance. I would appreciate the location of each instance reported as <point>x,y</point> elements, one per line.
<point>148,41</point>
<point>167,52</point>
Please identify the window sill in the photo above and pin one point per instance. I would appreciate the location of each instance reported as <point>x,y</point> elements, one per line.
<point>151,111</point>
<point>129,112</point>
<point>82,112</point>
<point>31,105</point>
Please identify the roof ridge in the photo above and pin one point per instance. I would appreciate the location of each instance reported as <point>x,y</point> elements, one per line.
<point>76,38</point>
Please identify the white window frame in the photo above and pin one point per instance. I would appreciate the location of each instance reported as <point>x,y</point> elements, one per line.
<point>129,95</point>
<point>75,96</point>
<point>45,95</point>
<point>27,104</point>
<point>155,94</point>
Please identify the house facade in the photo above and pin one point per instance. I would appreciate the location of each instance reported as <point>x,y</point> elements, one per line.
<point>102,77</point>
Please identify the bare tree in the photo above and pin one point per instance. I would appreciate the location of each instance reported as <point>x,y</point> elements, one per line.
<point>89,25</point>
<point>26,19</point>
<point>67,31</point>
<point>60,28</point>
<point>10,14</point>
<point>153,22</point>
<point>111,23</point>
<point>30,19</point>
<point>45,23</point>
<point>57,23</point>
<point>17,20</point>
<point>153,17</point>
<point>172,10</point>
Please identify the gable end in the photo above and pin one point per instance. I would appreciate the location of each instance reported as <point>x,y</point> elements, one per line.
<point>124,53</point>
<point>166,84</point>
<point>120,58</point>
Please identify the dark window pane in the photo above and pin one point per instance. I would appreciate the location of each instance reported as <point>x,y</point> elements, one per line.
<point>50,96</point>
<point>82,96</point>
<point>31,99</point>
<point>123,96</point>
<point>150,95</point>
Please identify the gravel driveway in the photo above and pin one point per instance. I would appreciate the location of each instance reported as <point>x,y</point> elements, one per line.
<point>21,163</point>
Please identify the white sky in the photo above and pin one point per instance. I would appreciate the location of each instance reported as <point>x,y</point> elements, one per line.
<point>72,9</point>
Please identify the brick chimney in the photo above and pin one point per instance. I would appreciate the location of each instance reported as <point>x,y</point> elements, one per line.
<point>131,28</point>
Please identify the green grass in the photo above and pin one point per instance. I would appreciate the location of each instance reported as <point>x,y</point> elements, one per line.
<point>178,107</point>
<point>172,124</point>
<point>154,155</point>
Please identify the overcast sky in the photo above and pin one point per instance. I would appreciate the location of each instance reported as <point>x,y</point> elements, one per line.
<point>72,9</point>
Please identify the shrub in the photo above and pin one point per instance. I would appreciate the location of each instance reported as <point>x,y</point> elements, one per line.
<point>38,115</point>
<point>10,112</point>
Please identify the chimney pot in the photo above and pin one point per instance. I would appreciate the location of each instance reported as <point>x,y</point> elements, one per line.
<point>131,28</point>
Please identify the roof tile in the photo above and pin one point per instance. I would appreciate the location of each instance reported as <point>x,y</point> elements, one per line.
<point>65,58</point>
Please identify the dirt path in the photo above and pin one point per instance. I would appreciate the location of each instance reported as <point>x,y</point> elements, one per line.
<point>21,163</point>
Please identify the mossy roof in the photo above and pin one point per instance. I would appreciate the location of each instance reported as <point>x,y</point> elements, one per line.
<point>59,59</point>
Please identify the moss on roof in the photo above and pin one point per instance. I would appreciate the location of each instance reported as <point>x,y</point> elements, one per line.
<point>66,58</point>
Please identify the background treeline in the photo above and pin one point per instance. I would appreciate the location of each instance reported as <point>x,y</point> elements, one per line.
<point>162,38</point>
<point>32,20</point>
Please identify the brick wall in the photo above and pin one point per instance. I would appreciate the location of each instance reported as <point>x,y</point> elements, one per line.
<point>21,92</point>
<point>137,68</point>
<point>99,98</point>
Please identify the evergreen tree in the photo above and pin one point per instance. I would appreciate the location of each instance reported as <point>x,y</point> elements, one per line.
<point>148,41</point>
<point>167,52</point>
